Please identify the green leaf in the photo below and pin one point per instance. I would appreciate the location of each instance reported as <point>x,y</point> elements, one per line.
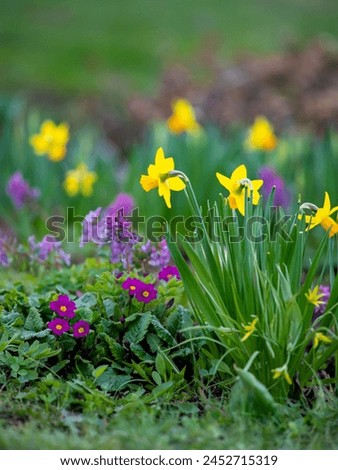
<point>60,365</point>
<point>86,300</point>
<point>161,389</point>
<point>162,332</point>
<point>256,392</point>
<point>109,306</point>
<point>154,342</point>
<point>84,313</point>
<point>34,321</point>
<point>141,353</point>
<point>112,382</point>
<point>99,371</point>
<point>157,378</point>
<point>160,365</point>
<point>115,348</point>
<point>138,329</point>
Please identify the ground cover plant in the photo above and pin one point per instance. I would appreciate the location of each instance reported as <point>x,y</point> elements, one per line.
<point>207,288</point>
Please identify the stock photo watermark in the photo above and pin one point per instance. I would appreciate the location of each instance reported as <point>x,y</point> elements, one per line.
<point>193,228</point>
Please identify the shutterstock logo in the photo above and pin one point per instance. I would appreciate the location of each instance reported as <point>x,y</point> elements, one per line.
<point>100,230</point>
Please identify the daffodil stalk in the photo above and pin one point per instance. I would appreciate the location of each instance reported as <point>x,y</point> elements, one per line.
<point>189,191</point>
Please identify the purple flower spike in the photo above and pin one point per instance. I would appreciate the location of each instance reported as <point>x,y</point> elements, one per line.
<point>168,272</point>
<point>58,326</point>
<point>146,293</point>
<point>111,227</point>
<point>19,190</point>
<point>159,254</point>
<point>282,194</point>
<point>81,328</point>
<point>124,202</point>
<point>63,306</point>
<point>42,250</point>
<point>4,261</point>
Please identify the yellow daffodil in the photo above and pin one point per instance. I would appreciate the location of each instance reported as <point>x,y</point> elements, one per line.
<point>80,180</point>
<point>236,186</point>
<point>183,118</point>
<point>314,296</point>
<point>322,216</point>
<point>159,177</point>
<point>282,371</point>
<point>261,135</point>
<point>51,141</point>
<point>320,337</point>
<point>250,328</point>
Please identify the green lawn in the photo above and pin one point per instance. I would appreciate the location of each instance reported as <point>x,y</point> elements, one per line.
<point>210,424</point>
<point>78,47</point>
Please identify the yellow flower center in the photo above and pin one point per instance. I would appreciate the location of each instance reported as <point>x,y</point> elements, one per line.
<point>132,288</point>
<point>81,330</point>
<point>63,308</point>
<point>58,327</point>
<point>145,294</point>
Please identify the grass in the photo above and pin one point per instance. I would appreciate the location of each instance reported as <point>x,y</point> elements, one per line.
<point>181,425</point>
<point>77,47</point>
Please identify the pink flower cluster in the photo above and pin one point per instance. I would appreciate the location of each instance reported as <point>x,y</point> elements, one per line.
<point>144,292</point>
<point>65,308</point>
<point>168,272</point>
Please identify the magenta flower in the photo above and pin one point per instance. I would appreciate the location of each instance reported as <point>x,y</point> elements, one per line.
<point>81,328</point>
<point>132,285</point>
<point>168,272</point>
<point>63,306</point>
<point>145,292</point>
<point>58,326</point>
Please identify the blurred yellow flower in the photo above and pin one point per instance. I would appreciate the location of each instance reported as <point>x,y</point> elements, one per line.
<point>183,118</point>
<point>250,328</point>
<point>51,141</point>
<point>261,135</point>
<point>320,337</point>
<point>236,186</point>
<point>282,371</point>
<point>159,177</point>
<point>322,217</point>
<point>314,296</point>
<point>80,180</point>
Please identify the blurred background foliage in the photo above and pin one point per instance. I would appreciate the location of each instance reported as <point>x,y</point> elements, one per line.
<point>81,47</point>
<point>111,69</point>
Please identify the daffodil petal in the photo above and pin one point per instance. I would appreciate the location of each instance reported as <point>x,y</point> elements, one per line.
<point>239,174</point>
<point>255,197</point>
<point>163,190</point>
<point>240,200</point>
<point>256,184</point>
<point>327,202</point>
<point>225,181</point>
<point>159,157</point>
<point>175,183</point>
